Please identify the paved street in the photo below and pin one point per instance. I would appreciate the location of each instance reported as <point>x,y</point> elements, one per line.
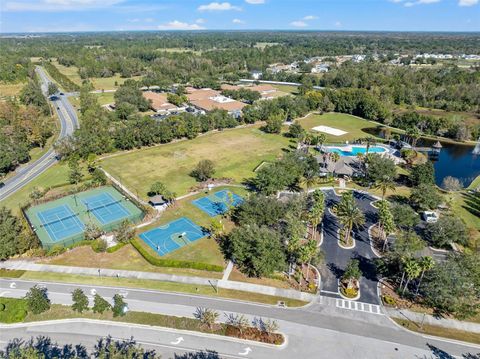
<point>68,123</point>
<point>336,258</point>
<point>313,331</point>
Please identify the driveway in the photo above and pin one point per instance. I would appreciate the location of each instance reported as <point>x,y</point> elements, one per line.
<point>337,258</point>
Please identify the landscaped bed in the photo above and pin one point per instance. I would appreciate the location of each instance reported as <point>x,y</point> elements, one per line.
<point>19,314</point>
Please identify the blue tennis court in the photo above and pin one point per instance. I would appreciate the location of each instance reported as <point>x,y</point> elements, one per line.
<point>218,202</point>
<point>174,235</point>
<point>60,222</point>
<point>106,208</point>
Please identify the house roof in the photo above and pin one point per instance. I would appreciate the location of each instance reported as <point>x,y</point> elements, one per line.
<point>210,104</point>
<point>159,101</point>
<point>194,94</point>
<point>345,166</point>
<point>157,199</point>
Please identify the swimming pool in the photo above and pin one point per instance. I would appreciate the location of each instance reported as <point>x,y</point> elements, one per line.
<point>354,150</point>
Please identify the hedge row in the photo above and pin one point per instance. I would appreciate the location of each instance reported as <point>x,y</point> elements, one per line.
<point>159,262</point>
<point>116,247</point>
<point>63,80</point>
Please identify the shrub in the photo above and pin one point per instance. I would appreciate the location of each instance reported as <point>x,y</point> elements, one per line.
<point>119,306</point>
<point>388,300</point>
<point>160,262</point>
<point>2,307</point>
<point>350,292</point>
<point>56,250</point>
<point>100,305</point>
<point>116,247</point>
<point>37,300</point>
<point>99,245</point>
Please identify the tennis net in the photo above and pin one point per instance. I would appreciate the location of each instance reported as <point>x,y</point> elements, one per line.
<point>58,220</point>
<point>104,205</point>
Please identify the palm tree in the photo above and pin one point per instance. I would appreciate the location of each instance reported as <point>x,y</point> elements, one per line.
<point>412,270</point>
<point>426,263</point>
<point>414,134</point>
<point>352,273</point>
<point>349,214</point>
<point>385,221</point>
<point>310,179</point>
<point>370,141</point>
<point>335,157</point>
<point>384,184</point>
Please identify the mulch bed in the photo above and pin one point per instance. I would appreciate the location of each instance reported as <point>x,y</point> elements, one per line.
<point>254,334</point>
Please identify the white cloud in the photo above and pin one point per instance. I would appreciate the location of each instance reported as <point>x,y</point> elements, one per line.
<point>255,2</point>
<point>200,21</point>
<point>338,24</point>
<point>238,21</point>
<point>178,25</point>
<point>418,2</point>
<point>217,6</point>
<point>299,23</point>
<point>310,17</point>
<point>467,2</point>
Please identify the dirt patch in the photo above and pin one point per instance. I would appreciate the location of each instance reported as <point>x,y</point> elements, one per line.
<point>254,334</point>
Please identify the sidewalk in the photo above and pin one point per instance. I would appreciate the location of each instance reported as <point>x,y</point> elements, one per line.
<point>431,320</point>
<point>116,273</point>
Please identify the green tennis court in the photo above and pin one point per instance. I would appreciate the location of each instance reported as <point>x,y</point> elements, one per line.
<point>63,221</point>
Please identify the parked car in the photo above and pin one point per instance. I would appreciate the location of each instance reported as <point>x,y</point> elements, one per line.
<point>430,216</point>
<point>2,184</point>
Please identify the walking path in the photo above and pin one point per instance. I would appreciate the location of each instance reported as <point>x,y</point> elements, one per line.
<point>431,320</point>
<point>117,273</point>
<point>227,271</point>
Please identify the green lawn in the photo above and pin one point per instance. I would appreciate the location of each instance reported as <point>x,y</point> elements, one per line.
<point>235,153</point>
<point>475,183</point>
<point>355,126</point>
<point>439,331</point>
<point>287,88</point>
<point>110,83</point>
<point>12,310</point>
<point>70,71</point>
<point>55,176</point>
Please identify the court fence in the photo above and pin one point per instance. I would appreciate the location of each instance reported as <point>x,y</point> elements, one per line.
<point>161,262</point>
<point>136,215</point>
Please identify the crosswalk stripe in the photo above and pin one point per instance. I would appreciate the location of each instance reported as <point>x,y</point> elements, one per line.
<point>358,306</point>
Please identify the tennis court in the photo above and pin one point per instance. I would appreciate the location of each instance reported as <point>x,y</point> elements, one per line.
<point>172,236</point>
<point>218,202</point>
<point>63,221</point>
<point>60,222</point>
<point>105,208</point>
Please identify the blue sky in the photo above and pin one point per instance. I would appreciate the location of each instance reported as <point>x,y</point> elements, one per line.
<point>103,15</point>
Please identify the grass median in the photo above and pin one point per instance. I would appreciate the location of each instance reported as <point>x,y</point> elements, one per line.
<point>438,331</point>
<point>161,286</point>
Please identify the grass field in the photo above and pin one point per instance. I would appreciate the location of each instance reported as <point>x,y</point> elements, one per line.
<point>110,83</point>
<point>287,88</point>
<point>355,126</point>
<point>12,310</point>
<point>235,153</point>
<point>54,176</point>
<point>70,71</point>
<point>8,90</point>
<point>439,331</point>
<point>475,183</point>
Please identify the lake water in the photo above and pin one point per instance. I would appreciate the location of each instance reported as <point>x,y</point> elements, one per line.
<point>455,160</point>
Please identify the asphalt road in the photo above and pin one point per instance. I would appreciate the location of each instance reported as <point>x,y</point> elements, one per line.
<point>68,123</point>
<point>314,331</point>
<point>337,258</point>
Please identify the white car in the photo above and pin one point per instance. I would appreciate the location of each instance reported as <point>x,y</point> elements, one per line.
<point>430,216</point>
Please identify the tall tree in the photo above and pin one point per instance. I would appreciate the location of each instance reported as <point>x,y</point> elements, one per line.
<point>349,214</point>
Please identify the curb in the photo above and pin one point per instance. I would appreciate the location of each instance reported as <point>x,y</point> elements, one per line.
<point>151,327</point>
<point>378,255</point>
